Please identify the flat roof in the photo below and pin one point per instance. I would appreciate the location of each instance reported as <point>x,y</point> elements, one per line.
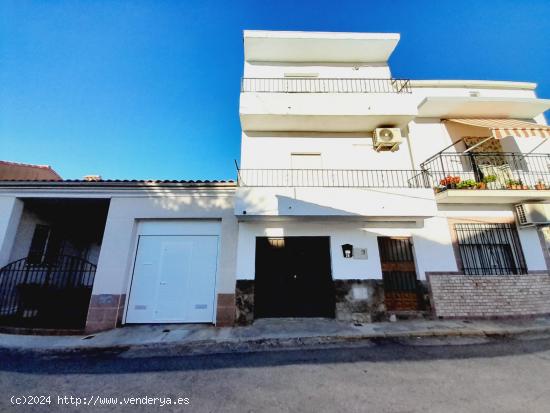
<point>319,47</point>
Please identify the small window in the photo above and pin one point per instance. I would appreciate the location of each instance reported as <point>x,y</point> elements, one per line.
<point>306,161</point>
<point>490,249</point>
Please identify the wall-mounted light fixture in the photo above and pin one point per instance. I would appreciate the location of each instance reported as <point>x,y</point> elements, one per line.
<point>347,250</point>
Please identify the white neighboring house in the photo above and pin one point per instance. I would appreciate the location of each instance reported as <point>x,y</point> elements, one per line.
<point>335,221</point>
<point>358,196</point>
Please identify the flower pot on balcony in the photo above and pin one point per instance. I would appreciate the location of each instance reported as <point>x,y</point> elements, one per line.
<point>481,185</point>
<point>514,186</point>
<point>540,187</point>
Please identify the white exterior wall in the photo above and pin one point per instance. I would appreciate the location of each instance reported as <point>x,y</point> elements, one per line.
<point>431,238</point>
<point>338,151</point>
<point>432,244</point>
<point>114,269</point>
<point>330,70</point>
<point>11,210</point>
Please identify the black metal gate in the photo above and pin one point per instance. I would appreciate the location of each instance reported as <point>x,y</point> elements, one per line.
<point>52,294</point>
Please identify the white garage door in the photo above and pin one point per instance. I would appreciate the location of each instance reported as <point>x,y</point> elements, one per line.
<point>174,278</point>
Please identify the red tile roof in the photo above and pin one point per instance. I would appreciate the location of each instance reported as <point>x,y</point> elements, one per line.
<point>13,171</point>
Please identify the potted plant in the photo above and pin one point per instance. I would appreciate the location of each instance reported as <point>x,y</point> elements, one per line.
<point>467,184</point>
<point>450,182</point>
<point>514,184</point>
<point>481,185</point>
<point>490,181</point>
<point>540,185</point>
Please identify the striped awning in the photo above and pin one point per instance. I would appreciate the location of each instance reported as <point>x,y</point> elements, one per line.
<point>502,128</point>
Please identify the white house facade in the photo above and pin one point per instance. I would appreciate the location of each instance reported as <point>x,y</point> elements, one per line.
<point>358,196</point>
<point>315,180</point>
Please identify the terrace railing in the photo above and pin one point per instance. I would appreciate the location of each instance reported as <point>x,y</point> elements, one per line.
<point>325,85</point>
<point>333,178</point>
<point>498,170</point>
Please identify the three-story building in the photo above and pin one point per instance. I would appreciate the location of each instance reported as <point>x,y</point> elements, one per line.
<point>356,188</point>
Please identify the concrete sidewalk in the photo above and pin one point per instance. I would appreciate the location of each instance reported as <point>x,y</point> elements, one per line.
<point>266,334</point>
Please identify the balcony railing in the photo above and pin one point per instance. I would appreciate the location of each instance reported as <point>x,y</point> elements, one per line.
<point>499,170</point>
<point>325,85</point>
<point>333,178</point>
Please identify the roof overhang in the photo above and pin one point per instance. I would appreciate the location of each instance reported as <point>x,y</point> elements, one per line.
<point>318,47</point>
<point>472,107</point>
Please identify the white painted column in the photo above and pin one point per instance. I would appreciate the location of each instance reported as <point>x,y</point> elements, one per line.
<point>11,210</point>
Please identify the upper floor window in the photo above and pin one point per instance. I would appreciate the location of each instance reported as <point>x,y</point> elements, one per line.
<point>306,161</point>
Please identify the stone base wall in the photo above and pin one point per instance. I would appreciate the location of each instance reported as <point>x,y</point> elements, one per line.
<point>105,312</point>
<point>489,296</point>
<point>244,302</point>
<point>359,301</point>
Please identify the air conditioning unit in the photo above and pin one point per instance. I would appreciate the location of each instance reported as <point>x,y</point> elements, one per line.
<point>529,214</point>
<point>387,139</point>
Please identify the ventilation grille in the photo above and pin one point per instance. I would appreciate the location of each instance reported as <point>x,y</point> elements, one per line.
<point>520,212</point>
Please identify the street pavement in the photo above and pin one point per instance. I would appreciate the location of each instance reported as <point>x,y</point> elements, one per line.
<point>430,374</point>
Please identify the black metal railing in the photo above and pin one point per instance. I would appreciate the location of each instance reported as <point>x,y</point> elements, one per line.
<point>498,170</point>
<point>333,178</point>
<point>490,249</point>
<point>52,294</point>
<point>325,85</point>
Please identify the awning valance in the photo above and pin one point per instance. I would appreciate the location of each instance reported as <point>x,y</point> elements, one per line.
<point>501,128</point>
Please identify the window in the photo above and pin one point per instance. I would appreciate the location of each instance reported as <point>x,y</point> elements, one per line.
<point>306,161</point>
<point>490,249</point>
<point>45,245</point>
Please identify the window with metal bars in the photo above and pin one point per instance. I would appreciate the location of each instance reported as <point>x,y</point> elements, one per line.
<point>490,249</point>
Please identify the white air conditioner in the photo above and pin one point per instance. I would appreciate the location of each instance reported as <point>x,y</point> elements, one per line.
<point>387,138</point>
<point>529,214</point>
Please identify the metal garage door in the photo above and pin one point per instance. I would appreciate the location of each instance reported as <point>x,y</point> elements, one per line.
<point>174,279</point>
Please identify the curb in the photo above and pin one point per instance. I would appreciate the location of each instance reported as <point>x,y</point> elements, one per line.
<point>236,346</point>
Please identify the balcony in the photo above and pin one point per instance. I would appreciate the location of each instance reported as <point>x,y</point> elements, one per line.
<point>325,85</point>
<point>344,193</point>
<point>499,177</point>
<point>325,105</point>
<point>332,178</point>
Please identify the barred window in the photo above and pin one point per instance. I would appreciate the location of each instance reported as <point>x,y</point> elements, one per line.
<point>490,249</point>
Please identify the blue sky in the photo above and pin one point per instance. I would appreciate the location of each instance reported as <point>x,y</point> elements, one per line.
<point>150,89</point>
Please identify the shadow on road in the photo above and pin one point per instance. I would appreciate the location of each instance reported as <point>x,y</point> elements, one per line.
<point>125,361</point>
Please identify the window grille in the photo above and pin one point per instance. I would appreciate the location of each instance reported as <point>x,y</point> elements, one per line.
<point>490,249</point>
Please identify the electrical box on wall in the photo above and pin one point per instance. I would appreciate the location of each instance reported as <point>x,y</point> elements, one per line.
<point>360,253</point>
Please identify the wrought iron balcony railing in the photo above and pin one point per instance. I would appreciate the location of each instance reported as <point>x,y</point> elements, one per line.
<point>325,85</point>
<point>333,178</point>
<point>499,170</point>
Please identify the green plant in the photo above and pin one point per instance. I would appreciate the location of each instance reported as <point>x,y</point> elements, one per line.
<point>513,182</point>
<point>489,178</point>
<point>468,183</point>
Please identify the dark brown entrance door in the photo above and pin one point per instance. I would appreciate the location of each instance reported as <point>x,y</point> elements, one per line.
<point>401,292</point>
<point>293,277</point>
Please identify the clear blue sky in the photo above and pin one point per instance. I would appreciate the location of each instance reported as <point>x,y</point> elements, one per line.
<point>150,89</point>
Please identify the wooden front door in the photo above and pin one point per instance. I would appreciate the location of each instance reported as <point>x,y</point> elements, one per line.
<point>401,290</point>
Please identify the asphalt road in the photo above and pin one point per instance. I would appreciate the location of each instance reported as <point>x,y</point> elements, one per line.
<point>423,375</point>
